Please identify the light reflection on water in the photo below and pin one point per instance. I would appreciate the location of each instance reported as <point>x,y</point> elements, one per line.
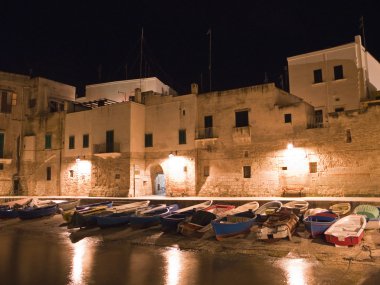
<point>297,270</point>
<point>173,266</point>
<point>82,260</point>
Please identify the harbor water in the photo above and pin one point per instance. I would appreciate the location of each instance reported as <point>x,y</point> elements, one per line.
<point>43,252</point>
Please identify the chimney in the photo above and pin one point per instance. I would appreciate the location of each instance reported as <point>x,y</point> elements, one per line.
<point>194,88</point>
<point>138,95</point>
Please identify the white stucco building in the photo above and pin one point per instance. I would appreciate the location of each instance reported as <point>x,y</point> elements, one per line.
<point>335,79</point>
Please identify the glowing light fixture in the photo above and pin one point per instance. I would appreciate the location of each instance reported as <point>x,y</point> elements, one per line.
<point>290,145</point>
<point>77,159</point>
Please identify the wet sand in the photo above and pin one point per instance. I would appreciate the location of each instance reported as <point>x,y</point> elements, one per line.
<point>357,263</point>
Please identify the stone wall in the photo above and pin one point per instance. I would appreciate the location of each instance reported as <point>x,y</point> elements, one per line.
<point>344,167</point>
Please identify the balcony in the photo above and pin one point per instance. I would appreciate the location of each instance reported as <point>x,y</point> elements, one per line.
<point>107,150</point>
<point>206,133</point>
<point>241,135</point>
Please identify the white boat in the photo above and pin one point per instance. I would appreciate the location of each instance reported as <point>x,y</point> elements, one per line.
<point>269,208</point>
<point>340,208</point>
<point>347,231</point>
<point>298,207</point>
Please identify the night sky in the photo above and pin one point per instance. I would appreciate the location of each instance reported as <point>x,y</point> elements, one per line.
<point>85,42</point>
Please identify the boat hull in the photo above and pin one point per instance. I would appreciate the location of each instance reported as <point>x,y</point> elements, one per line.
<point>317,224</point>
<point>232,227</point>
<point>34,213</point>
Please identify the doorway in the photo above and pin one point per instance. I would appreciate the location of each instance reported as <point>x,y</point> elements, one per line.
<point>158,180</point>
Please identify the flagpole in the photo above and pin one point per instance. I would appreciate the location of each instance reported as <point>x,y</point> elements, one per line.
<point>209,65</point>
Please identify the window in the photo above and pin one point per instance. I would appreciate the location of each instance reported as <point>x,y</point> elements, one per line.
<point>312,167</point>
<point>339,109</point>
<point>247,171</point>
<point>86,141</point>
<point>71,142</point>
<point>206,171</point>
<point>318,76</point>
<point>1,166</point>
<point>32,102</point>
<point>338,72</point>
<point>1,145</point>
<point>348,136</point>
<point>182,136</point>
<point>5,102</point>
<point>109,141</point>
<point>287,118</point>
<point>71,173</point>
<point>241,119</point>
<point>148,140</point>
<point>48,173</point>
<point>48,141</point>
<point>208,126</point>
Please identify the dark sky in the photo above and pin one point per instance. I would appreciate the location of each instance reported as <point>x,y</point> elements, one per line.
<point>68,41</point>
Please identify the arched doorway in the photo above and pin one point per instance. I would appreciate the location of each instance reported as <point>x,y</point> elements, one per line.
<point>158,180</point>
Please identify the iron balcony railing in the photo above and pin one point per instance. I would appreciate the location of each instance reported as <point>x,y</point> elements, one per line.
<point>106,148</point>
<point>206,133</point>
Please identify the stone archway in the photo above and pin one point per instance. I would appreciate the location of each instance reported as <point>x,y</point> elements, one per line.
<point>158,180</point>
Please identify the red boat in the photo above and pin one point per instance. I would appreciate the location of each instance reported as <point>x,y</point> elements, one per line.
<point>347,231</point>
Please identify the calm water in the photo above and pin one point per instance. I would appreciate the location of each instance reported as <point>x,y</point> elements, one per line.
<point>27,258</point>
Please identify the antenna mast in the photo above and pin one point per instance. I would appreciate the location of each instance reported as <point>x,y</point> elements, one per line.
<point>141,53</point>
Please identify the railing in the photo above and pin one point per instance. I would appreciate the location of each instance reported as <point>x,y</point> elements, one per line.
<point>206,133</point>
<point>242,131</point>
<point>106,148</point>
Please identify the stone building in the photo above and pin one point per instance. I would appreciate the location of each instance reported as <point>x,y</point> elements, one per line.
<point>336,79</point>
<point>138,137</point>
<point>31,126</point>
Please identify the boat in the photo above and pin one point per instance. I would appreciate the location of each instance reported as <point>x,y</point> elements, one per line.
<point>87,217</point>
<point>37,211</point>
<point>267,209</point>
<point>370,211</point>
<point>120,214</point>
<point>65,205</point>
<point>372,215</point>
<point>87,209</point>
<point>317,224</point>
<point>280,224</point>
<point>347,231</point>
<point>200,223</point>
<point>102,203</point>
<point>151,216</point>
<point>10,209</point>
<point>313,211</point>
<point>340,209</point>
<point>233,226</point>
<point>170,222</point>
<point>298,207</point>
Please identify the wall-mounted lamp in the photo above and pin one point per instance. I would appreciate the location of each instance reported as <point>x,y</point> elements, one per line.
<point>172,154</point>
<point>290,145</point>
<point>77,159</point>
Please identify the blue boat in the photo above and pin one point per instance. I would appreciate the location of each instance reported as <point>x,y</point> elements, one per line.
<point>234,225</point>
<point>151,217</point>
<point>103,203</point>
<point>8,213</point>
<point>38,212</point>
<point>170,222</point>
<point>120,214</point>
<point>317,224</point>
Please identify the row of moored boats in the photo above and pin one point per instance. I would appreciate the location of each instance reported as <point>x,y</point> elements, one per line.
<point>271,220</point>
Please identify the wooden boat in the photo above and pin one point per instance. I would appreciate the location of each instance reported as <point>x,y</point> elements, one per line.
<point>120,214</point>
<point>37,212</point>
<point>233,226</point>
<point>87,209</point>
<point>373,223</point>
<point>317,224</point>
<point>10,209</point>
<point>267,209</point>
<point>151,217</point>
<point>313,211</point>
<point>86,217</point>
<point>280,224</point>
<point>340,209</point>
<point>67,205</point>
<point>102,203</point>
<point>298,207</point>
<point>236,222</point>
<point>347,231</point>
<point>200,222</point>
<point>370,211</point>
<point>170,222</point>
